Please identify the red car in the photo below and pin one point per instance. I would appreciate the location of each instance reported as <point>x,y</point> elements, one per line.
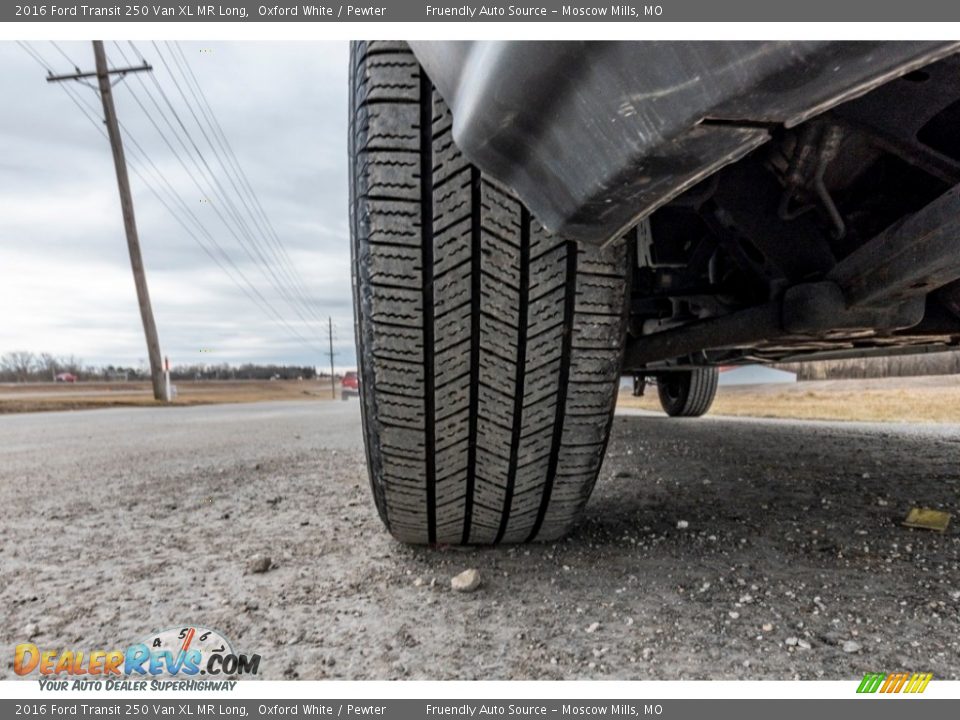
<point>350,385</point>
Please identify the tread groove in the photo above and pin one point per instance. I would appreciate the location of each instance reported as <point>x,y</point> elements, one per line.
<point>426,228</point>
<point>473,413</point>
<point>563,377</point>
<point>518,385</point>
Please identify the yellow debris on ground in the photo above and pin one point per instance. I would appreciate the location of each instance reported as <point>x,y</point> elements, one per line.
<point>927,519</point>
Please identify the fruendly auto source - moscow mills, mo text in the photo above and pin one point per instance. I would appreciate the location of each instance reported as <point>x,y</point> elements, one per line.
<point>625,12</point>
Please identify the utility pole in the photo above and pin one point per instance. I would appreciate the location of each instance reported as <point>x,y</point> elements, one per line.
<point>103,74</point>
<point>333,382</point>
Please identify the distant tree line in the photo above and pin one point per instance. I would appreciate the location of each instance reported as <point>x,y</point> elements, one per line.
<point>247,371</point>
<point>940,363</point>
<point>22,366</point>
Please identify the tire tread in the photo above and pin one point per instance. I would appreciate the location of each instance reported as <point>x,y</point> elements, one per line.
<point>489,348</point>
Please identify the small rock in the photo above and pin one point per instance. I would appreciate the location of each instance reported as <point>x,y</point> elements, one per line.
<point>804,644</point>
<point>418,582</point>
<point>734,615</point>
<point>467,581</point>
<point>259,563</point>
<point>851,646</point>
<point>592,627</point>
<point>682,524</point>
<point>767,627</point>
<point>31,630</point>
<point>791,641</point>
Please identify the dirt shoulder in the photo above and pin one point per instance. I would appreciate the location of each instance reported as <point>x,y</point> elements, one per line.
<point>711,549</point>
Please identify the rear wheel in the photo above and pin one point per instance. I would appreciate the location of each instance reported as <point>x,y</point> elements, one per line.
<point>489,349</point>
<point>687,393</point>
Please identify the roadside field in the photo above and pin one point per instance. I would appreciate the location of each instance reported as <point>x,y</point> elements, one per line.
<point>32,397</point>
<point>918,399</point>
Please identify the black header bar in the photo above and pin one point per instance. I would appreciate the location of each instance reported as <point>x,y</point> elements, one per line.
<point>452,11</point>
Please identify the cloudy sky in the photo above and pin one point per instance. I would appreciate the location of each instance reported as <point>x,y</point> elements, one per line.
<point>65,280</point>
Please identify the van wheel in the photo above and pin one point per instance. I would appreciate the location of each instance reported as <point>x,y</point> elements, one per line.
<point>489,349</point>
<point>687,393</point>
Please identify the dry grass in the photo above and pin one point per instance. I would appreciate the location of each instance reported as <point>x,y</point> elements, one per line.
<point>33,397</point>
<point>930,399</point>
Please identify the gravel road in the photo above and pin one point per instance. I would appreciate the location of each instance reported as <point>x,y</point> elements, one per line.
<point>716,548</point>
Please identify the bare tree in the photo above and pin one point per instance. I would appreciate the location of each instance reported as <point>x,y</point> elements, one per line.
<point>50,365</point>
<point>19,363</point>
<point>71,364</point>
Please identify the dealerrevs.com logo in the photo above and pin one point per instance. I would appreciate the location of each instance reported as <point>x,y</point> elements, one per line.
<point>171,659</point>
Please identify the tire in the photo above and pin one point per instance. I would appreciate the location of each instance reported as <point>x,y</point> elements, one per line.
<point>688,393</point>
<point>489,349</point>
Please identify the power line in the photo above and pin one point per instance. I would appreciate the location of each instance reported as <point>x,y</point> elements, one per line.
<point>333,384</point>
<point>35,54</point>
<point>221,136</point>
<point>241,185</point>
<point>203,191</point>
<point>244,283</point>
<point>141,156</point>
<point>290,281</point>
<point>92,115</point>
<point>221,194</point>
<point>65,56</point>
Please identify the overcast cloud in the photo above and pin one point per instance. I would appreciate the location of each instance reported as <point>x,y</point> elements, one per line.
<point>65,279</point>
